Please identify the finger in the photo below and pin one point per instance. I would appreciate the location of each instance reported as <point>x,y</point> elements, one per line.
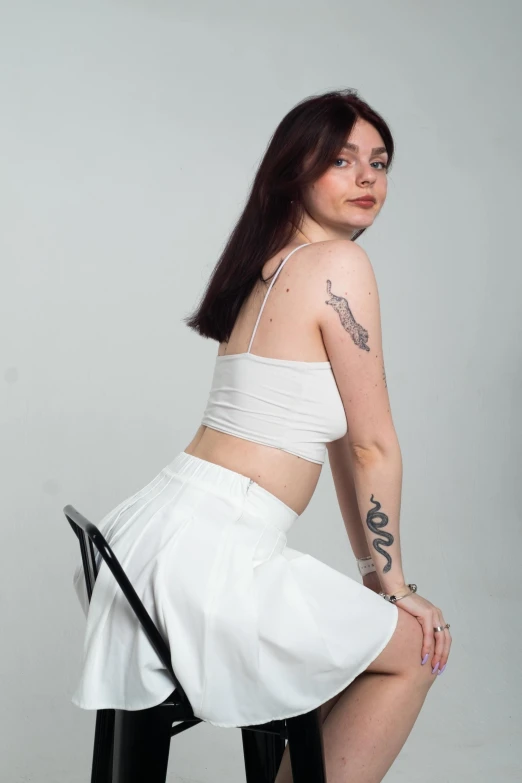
<point>439,640</point>
<point>447,646</point>
<point>428,640</point>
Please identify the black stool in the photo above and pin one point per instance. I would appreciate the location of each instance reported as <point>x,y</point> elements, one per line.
<point>132,746</point>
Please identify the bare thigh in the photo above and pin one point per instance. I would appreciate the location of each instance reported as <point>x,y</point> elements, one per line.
<point>401,656</point>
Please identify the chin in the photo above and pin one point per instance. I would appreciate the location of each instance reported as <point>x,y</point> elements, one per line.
<point>361,224</point>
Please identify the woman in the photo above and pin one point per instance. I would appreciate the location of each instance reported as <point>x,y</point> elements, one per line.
<point>259,631</point>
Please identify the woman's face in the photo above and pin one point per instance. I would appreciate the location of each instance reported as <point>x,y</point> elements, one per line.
<point>360,170</point>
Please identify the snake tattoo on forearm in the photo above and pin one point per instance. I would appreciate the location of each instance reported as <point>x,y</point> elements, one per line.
<point>357,332</point>
<point>375,528</point>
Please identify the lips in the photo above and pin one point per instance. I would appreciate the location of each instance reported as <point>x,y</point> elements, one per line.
<point>363,201</point>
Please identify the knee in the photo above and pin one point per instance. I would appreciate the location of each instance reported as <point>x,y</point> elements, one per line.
<point>420,673</point>
<point>406,652</point>
<point>403,654</point>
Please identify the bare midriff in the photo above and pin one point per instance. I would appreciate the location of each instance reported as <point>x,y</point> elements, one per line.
<point>290,478</point>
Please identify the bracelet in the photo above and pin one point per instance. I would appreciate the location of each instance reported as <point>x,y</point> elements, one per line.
<point>394,598</point>
<point>365,565</point>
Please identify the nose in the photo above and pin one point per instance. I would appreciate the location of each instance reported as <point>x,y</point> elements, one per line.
<point>366,174</point>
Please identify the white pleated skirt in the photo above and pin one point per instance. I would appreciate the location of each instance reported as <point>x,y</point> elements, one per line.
<point>257,631</point>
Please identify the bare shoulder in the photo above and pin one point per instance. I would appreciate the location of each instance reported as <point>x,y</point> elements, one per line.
<point>337,253</point>
<point>338,269</point>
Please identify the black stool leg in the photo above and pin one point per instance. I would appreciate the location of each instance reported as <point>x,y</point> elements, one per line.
<point>262,752</point>
<point>142,744</point>
<point>103,747</point>
<point>305,737</point>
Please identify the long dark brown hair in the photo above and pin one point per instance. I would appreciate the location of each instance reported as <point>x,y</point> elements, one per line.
<point>305,143</point>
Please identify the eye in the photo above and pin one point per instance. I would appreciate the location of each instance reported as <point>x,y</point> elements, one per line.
<point>343,160</point>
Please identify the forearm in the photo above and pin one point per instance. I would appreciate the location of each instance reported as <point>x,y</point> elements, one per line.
<point>377,480</point>
<point>342,474</point>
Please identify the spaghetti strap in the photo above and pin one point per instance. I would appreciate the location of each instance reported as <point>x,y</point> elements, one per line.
<point>269,289</point>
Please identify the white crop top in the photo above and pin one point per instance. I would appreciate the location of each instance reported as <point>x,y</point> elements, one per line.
<point>290,405</point>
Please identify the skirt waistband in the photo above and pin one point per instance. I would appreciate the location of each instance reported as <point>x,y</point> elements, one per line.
<point>231,483</point>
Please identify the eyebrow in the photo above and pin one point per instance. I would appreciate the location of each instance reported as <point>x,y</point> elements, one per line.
<point>355,148</point>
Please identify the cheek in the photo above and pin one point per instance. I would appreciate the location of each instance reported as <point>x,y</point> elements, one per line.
<point>328,189</point>
<point>332,180</point>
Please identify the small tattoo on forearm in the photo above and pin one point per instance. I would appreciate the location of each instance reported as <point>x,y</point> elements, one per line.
<point>375,527</point>
<point>357,332</point>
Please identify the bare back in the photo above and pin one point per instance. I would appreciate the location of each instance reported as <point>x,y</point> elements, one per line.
<point>288,329</point>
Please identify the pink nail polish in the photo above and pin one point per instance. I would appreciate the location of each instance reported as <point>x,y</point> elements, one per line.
<point>440,672</point>
<point>425,659</point>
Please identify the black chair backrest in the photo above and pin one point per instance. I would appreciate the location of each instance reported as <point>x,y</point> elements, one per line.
<point>89,535</point>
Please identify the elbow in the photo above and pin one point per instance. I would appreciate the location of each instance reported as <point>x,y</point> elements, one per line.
<point>369,453</point>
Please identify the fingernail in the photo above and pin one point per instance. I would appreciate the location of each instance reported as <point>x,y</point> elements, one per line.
<point>435,668</point>
<point>440,672</point>
<point>425,659</point>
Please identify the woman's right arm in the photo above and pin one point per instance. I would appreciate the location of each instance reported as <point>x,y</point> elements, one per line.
<point>350,326</point>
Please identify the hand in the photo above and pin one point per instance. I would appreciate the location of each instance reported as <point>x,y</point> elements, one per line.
<point>371,581</point>
<point>429,616</point>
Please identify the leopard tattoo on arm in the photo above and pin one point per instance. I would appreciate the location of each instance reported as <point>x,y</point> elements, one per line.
<point>357,332</point>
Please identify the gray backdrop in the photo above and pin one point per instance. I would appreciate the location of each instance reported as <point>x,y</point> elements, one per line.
<point>130,133</point>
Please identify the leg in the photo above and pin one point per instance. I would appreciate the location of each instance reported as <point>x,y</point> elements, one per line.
<point>367,724</point>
